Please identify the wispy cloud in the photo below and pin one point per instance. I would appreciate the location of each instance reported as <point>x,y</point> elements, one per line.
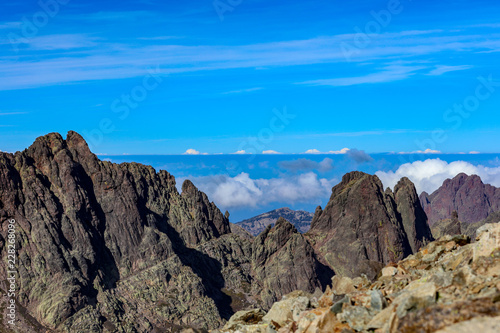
<point>115,61</point>
<point>11,113</point>
<point>160,38</point>
<point>242,91</point>
<point>387,74</point>
<point>10,25</point>
<point>441,69</point>
<point>270,152</point>
<point>62,42</point>
<point>115,15</point>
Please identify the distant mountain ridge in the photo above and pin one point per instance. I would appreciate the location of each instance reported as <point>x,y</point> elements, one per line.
<point>473,200</point>
<point>299,218</point>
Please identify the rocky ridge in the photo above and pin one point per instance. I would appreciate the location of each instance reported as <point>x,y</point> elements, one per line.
<point>450,285</point>
<point>473,200</point>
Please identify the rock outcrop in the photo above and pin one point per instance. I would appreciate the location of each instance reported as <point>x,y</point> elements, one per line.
<point>299,218</point>
<point>283,261</point>
<point>473,200</point>
<point>364,227</point>
<point>449,286</point>
<point>451,226</point>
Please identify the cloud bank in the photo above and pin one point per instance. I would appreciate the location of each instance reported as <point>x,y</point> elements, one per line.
<point>242,191</point>
<point>430,174</point>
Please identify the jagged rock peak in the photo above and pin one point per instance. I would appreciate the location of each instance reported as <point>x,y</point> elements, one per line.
<point>279,247</point>
<point>362,225</point>
<point>188,187</point>
<point>317,215</point>
<point>412,215</point>
<point>354,175</point>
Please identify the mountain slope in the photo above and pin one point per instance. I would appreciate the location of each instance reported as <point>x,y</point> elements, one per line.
<point>299,218</point>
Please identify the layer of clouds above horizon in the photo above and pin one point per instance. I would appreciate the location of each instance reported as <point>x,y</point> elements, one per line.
<point>213,83</point>
<point>303,186</point>
<point>249,185</point>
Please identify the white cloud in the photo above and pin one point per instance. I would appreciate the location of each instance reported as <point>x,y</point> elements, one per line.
<point>270,152</point>
<point>193,152</point>
<point>342,151</point>
<point>430,174</point>
<point>242,191</point>
<point>240,152</point>
<point>336,152</point>
<point>427,151</point>
<point>474,152</point>
<point>312,151</point>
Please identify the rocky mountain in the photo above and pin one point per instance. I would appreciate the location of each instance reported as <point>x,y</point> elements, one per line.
<point>106,247</point>
<point>364,227</point>
<point>473,200</point>
<point>448,286</point>
<point>299,218</point>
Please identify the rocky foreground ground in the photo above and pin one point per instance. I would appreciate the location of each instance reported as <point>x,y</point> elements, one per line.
<point>450,285</point>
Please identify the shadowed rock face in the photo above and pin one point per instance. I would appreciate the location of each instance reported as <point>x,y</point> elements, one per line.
<point>362,226</point>
<point>473,200</point>
<point>284,261</point>
<point>412,215</point>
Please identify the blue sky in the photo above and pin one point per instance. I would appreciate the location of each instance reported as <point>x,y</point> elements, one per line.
<point>216,83</point>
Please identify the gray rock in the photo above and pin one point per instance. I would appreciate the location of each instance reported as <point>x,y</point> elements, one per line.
<point>337,307</point>
<point>378,302</point>
<point>356,316</point>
